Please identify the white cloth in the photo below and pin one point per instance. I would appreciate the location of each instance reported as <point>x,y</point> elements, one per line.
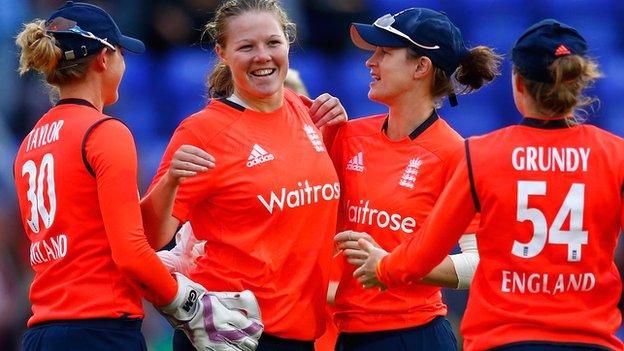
<point>182,257</point>
<point>237,100</point>
<point>466,262</point>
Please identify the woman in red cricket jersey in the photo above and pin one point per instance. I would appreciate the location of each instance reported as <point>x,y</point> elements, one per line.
<point>268,208</point>
<point>91,259</point>
<point>392,168</point>
<point>549,192</point>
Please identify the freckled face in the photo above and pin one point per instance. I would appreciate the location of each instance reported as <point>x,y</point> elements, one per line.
<point>256,51</point>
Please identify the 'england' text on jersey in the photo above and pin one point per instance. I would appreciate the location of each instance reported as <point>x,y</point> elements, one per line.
<point>51,249</point>
<point>306,194</point>
<point>546,283</point>
<point>550,159</point>
<point>43,135</point>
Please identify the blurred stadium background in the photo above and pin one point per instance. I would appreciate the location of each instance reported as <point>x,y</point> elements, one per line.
<point>166,84</point>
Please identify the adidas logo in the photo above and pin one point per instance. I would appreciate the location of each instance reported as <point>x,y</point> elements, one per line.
<point>258,155</point>
<point>562,51</point>
<point>356,163</point>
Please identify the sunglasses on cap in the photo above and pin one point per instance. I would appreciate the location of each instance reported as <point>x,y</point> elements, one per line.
<point>66,26</point>
<point>385,22</point>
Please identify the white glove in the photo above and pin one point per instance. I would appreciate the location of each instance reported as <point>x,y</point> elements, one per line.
<point>182,257</point>
<point>219,321</point>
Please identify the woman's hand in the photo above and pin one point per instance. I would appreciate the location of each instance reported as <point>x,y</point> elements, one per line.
<point>188,161</point>
<point>325,110</point>
<point>367,273</point>
<point>347,243</point>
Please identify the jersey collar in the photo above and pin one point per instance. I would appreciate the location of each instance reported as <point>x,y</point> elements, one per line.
<point>232,104</point>
<point>421,128</point>
<point>74,101</point>
<point>544,123</point>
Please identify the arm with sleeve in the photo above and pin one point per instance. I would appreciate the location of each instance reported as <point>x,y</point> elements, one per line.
<point>111,152</point>
<point>418,255</point>
<point>456,271</point>
<point>165,205</point>
<point>210,320</point>
<point>464,263</point>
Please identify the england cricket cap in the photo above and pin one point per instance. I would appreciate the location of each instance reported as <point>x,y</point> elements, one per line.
<point>82,29</point>
<point>430,33</point>
<point>542,44</point>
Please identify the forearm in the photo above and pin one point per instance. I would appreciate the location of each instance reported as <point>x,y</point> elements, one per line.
<point>443,275</point>
<point>457,270</point>
<point>136,259</point>
<point>421,253</point>
<point>157,209</point>
<point>121,214</point>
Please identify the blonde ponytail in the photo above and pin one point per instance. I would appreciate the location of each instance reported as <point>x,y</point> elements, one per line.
<point>38,50</point>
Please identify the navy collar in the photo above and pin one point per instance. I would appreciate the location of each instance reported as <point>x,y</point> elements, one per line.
<point>544,123</point>
<point>232,104</point>
<point>421,128</point>
<point>74,101</point>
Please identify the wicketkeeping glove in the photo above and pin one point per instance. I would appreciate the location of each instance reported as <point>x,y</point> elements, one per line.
<point>219,321</point>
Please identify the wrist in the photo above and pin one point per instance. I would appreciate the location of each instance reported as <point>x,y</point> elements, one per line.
<point>169,181</point>
<point>185,304</point>
<point>379,271</point>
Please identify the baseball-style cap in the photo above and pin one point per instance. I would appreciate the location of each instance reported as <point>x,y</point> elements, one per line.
<point>542,44</point>
<point>430,33</point>
<point>82,29</point>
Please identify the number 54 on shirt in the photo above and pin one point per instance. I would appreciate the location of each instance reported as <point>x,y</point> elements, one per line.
<point>551,233</point>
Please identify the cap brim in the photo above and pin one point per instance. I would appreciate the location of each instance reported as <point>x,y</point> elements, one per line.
<point>132,44</point>
<point>368,37</point>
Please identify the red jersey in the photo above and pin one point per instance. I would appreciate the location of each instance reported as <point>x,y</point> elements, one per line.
<point>267,211</point>
<point>87,249</point>
<point>550,198</point>
<point>388,189</point>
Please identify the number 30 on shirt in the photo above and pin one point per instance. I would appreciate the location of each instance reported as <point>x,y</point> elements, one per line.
<point>572,206</point>
<point>35,195</point>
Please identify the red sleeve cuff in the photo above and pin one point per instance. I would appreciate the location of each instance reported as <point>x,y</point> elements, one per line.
<point>379,270</point>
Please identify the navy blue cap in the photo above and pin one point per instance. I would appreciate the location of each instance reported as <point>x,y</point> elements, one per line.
<point>430,33</point>
<point>82,29</point>
<point>542,44</point>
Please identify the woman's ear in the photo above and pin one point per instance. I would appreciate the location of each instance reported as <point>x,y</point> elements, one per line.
<point>423,67</point>
<point>518,82</point>
<point>220,52</point>
<point>101,60</point>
